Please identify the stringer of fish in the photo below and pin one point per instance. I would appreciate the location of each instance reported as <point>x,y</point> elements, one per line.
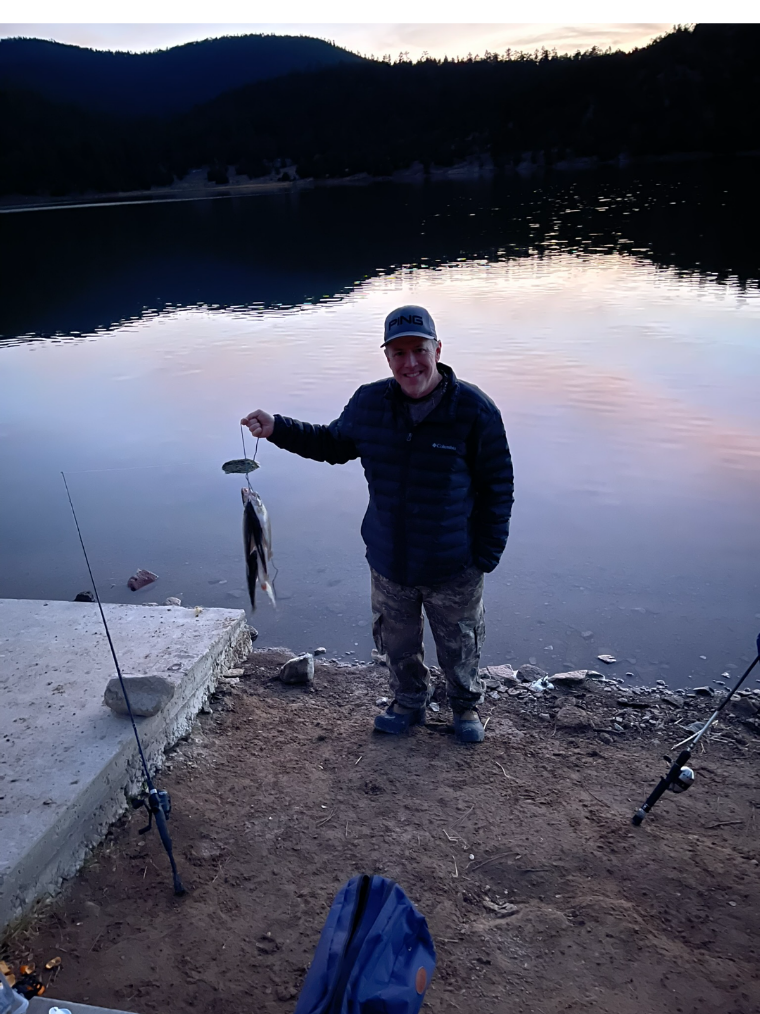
<point>257,543</point>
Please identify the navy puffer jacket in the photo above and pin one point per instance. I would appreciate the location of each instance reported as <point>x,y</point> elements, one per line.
<point>440,492</point>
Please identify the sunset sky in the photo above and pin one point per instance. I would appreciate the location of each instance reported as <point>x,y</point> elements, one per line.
<point>373,29</point>
<point>369,39</point>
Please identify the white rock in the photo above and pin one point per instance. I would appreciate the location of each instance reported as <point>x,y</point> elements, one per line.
<point>576,676</point>
<point>609,659</point>
<point>147,694</point>
<point>433,706</point>
<point>320,651</point>
<point>299,669</point>
<point>381,702</point>
<point>173,601</point>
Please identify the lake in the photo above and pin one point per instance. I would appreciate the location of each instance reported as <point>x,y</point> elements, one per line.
<point>613,316</point>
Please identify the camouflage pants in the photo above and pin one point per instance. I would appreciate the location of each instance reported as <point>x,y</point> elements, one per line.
<point>456,616</point>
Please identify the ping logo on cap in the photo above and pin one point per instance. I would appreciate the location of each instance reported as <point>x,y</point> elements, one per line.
<point>409,320</point>
<point>413,318</point>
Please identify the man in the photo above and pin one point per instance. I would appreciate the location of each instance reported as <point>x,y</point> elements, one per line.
<point>436,459</point>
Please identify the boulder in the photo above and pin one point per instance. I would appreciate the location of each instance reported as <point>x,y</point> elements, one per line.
<point>298,670</point>
<point>147,694</point>
<point>570,678</point>
<point>141,578</point>
<point>173,601</point>
<point>529,673</point>
<point>502,673</point>
<point>570,717</point>
<point>744,706</point>
<point>673,700</point>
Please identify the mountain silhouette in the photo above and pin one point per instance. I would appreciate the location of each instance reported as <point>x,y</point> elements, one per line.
<point>162,82</point>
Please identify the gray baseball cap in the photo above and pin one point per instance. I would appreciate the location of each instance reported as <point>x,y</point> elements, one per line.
<point>409,320</point>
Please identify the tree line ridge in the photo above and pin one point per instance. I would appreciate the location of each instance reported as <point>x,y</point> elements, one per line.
<point>691,91</point>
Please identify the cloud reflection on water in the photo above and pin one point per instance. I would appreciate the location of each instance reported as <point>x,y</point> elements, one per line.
<point>630,402</point>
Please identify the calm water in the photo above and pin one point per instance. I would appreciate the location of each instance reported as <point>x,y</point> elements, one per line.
<point>614,319</point>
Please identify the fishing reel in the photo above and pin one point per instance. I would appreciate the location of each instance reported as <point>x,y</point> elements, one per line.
<point>683,780</point>
<point>153,801</point>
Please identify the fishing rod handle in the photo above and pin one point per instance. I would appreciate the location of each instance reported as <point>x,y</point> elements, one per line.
<point>662,786</point>
<point>166,841</point>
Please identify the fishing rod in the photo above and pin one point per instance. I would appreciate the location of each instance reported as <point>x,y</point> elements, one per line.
<point>680,777</point>
<point>158,804</point>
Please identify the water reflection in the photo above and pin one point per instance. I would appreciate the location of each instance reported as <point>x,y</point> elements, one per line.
<point>628,389</point>
<point>73,272</point>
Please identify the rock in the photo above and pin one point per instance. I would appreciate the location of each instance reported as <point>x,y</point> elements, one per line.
<point>378,657</point>
<point>633,702</point>
<point>298,670</point>
<point>617,727</point>
<point>570,717</point>
<point>147,694</point>
<point>140,579</point>
<point>529,673</point>
<point>234,672</point>
<point>492,684</point>
<point>501,908</point>
<point>432,706</point>
<point>604,737</point>
<point>494,695</point>
<point>607,659</point>
<point>503,673</point>
<point>660,683</point>
<point>587,634</point>
<point>744,706</point>
<point>85,596</point>
<point>570,678</point>
<point>673,700</point>
<point>320,651</point>
<point>172,601</point>
<point>704,691</point>
<point>382,702</point>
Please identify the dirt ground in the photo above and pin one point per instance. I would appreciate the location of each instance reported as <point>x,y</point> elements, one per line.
<point>540,895</point>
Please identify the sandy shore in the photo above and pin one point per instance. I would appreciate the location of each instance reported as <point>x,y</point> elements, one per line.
<point>539,893</point>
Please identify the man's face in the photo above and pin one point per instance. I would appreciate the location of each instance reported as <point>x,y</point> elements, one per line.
<point>412,361</point>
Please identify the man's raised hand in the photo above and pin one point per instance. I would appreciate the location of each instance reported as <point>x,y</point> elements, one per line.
<point>260,423</point>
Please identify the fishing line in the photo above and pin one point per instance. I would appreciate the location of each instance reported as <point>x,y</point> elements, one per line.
<point>680,777</point>
<point>158,804</point>
<point>245,455</point>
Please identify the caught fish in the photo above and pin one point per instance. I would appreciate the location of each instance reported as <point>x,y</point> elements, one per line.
<point>257,541</point>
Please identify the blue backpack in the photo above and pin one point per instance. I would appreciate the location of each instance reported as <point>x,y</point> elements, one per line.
<point>375,954</point>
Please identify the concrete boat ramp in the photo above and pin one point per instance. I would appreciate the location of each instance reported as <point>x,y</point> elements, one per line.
<point>67,762</point>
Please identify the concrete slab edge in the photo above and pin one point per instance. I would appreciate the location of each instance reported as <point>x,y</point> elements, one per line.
<point>59,854</point>
<point>42,1004</point>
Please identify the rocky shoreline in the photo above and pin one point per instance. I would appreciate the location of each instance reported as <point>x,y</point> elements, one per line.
<point>581,700</point>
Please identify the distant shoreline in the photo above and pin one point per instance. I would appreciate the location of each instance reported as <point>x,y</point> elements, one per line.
<point>475,168</point>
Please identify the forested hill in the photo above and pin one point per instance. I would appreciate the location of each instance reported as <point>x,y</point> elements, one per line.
<point>162,82</point>
<point>693,91</point>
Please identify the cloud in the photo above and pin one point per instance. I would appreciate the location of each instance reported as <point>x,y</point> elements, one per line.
<point>439,40</point>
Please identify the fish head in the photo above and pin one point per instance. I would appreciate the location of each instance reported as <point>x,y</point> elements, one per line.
<point>250,496</point>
